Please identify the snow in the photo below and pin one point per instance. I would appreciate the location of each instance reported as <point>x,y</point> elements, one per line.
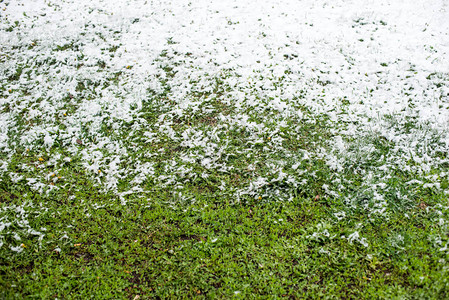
<point>73,68</point>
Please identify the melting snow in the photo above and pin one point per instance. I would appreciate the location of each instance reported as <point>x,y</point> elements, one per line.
<point>105,80</point>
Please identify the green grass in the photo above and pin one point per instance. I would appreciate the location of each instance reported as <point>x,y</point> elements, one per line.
<point>213,250</point>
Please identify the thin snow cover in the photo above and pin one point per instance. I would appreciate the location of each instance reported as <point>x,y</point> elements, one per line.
<point>178,92</point>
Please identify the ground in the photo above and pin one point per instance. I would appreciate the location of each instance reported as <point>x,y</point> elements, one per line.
<point>224,149</point>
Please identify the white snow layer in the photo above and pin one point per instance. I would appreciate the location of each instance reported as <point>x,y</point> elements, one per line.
<point>70,69</point>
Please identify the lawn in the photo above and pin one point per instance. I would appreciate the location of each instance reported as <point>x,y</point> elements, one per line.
<point>155,149</point>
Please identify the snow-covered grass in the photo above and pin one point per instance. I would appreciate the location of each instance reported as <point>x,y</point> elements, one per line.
<point>184,109</point>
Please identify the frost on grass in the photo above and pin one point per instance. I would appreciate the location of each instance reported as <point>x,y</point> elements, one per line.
<point>253,101</point>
